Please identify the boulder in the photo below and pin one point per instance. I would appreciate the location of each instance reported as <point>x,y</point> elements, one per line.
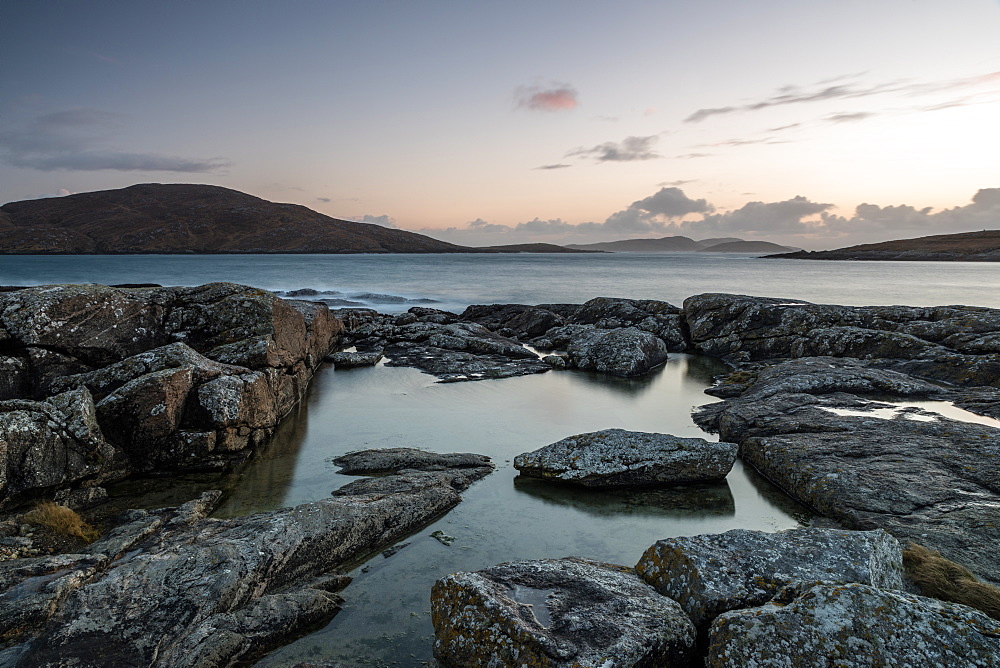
<point>616,458</point>
<point>657,317</point>
<point>713,573</point>
<point>393,460</point>
<point>558,613</point>
<point>854,625</point>
<point>524,322</point>
<point>625,351</point>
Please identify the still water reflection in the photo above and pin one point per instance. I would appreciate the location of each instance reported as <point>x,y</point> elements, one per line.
<point>386,618</point>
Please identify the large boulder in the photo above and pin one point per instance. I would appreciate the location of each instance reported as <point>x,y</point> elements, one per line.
<point>625,351</point>
<point>854,625</point>
<point>521,321</point>
<point>713,573</point>
<point>955,344</point>
<point>558,613</point>
<point>616,458</point>
<point>657,317</point>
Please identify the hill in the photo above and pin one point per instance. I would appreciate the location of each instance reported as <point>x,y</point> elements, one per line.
<point>745,247</point>
<point>966,247</point>
<point>661,245</point>
<point>188,218</point>
<point>530,248</point>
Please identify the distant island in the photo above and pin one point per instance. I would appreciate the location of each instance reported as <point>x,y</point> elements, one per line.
<point>966,247</point>
<point>679,244</point>
<point>189,218</point>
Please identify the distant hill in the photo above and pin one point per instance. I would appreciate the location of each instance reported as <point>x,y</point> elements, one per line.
<point>746,247</point>
<point>661,245</point>
<point>684,244</point>
<point>531,248</point>
<point>966,247</point>
<point>189,218</point>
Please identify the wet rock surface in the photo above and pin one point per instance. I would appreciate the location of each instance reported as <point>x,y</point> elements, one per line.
<point>922,477</point>
<point>955,344</point>
<point>616,458</point>
<point>713,573</point>
<point>854,625</point>
<point>393,460</point>
<point>556,612</point>
<point>172,588</point>
<point>174,378</point>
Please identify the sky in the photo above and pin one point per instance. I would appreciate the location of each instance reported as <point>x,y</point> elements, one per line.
<point>816,124</point>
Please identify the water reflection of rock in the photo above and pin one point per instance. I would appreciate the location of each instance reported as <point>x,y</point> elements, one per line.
<point>696,370</point>
<point>682,501</point>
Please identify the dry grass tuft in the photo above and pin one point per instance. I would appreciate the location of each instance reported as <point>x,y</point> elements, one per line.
<point>942,579</point>
<point>61,520</point>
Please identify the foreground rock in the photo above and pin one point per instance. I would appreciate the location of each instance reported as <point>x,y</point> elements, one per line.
<point>393,460</point>
<point>625,351</point>
<point>714,573</point>
<point>204,592</point>
<point>559,613</point>
<point>615,458</point>
<point>854,625</point>
<point>955,344</point>
<point>922,477</point>
<point>178,378</point>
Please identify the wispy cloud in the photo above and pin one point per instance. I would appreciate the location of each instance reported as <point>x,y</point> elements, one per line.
<point>325,200</point>
<point>850,117</point>
<point>382,221</point>
<point>70,140</point>
<point>793,94</point>
<point>627,150</point>
<point>555,97</point>
<point>559,166</point>
<point>693,156</point>
<point>678,182</point>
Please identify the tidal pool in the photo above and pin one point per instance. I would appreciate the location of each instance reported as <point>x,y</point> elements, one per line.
<point>386,618</point>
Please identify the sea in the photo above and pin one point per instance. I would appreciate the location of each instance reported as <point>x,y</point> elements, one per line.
<point>385,619</point>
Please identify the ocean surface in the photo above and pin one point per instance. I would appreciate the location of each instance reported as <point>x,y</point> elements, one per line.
<point>386,618</point>
<point>455,281</point>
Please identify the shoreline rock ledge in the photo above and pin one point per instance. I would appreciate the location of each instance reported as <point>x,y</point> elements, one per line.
<point>619,458</point>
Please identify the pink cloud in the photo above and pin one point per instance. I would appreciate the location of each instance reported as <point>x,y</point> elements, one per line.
<point>561,97</point>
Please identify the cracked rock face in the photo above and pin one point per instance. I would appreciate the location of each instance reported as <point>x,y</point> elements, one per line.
<point>854,625</point>
<point>922,477</point>
<point>559,613</point>
<point>616,458</point>
<point>955,344</point>
<point>713,573</point>
<point>182,377</point>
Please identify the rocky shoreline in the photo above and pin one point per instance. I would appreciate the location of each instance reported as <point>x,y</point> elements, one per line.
<point>104,383</point>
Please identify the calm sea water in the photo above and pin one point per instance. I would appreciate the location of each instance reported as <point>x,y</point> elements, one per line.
<point>386,618</point>
<point>459,280</point>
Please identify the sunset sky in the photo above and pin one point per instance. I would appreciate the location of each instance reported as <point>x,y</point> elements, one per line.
<point>818,124</point>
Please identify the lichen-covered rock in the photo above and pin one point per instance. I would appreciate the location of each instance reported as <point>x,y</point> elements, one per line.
<point>626,351</point>
<point>956,344</point>
<point>525,322</point>
<point>348,360</point>
<point>14,383</point>
<point>50,444</point>
<point>657,317</point>
<point>392,460</point>
<point>854,625</point>
<point>616,458</point>
<point>556,613</point>
<point>713,573</point>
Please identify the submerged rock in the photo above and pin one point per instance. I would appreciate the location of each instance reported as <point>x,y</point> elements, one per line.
<point>713,573</point>
<point>392,460</point>
<point>615,458</point>
<point>854,625</point>
<point>559,613</point>
<point>346,360</point>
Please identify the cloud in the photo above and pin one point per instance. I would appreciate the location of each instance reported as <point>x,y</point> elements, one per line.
<point>850,118</point>
<point>627,150</point>
<point>557,97</point>
<point>692,156</point>
<point>553,166</point>
<point>67,141</point>
<point>761,218</point>
<point>678,182</point>
<point>793,94</point>
<point>383,220</point>
<point>325,200</point>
